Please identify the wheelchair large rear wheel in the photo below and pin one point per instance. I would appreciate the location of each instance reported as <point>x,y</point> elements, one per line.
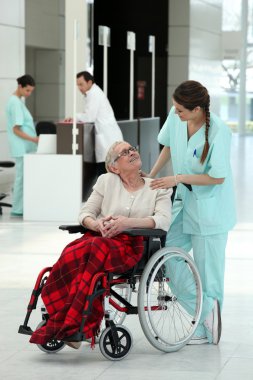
<point>51,347</point>
<point>170,299</point>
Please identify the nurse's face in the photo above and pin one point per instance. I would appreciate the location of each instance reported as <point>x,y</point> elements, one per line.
<point>25,91</point>
<point>83,85</point>
<point>184,113</point>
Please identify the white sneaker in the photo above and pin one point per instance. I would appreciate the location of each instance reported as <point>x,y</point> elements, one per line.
<point>198,340</point>
<point>213,323</point>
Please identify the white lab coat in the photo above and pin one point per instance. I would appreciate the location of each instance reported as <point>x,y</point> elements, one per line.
<point>98,110</point>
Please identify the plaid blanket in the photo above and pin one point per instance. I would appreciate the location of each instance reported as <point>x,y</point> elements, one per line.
<point>67,286</point>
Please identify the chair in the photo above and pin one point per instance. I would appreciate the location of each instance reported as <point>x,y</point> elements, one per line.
<point>4,164</point>
<point>45,128</point>
<point>169,309</point>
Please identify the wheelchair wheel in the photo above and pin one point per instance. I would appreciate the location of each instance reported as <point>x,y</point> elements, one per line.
<point>52,346</point>
<point>170,299</point>
<point>115,345</point>
<point>125,291</point>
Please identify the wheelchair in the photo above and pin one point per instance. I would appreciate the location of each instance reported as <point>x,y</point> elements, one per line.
<point>168,296</point>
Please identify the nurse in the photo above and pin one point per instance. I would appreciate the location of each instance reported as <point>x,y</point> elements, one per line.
<point>21,135</point>
<point>198,143</point>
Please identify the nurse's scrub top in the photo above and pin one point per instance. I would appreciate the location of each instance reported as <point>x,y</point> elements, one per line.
<point>208,209</point>
<point>18,114</point>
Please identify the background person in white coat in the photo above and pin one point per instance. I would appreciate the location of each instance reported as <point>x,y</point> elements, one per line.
<point>98,110</point>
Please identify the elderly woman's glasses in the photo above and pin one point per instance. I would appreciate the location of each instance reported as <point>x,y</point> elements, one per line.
<point>126,152</point>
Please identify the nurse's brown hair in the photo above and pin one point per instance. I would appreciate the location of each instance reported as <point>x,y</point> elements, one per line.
<point>191,94</point>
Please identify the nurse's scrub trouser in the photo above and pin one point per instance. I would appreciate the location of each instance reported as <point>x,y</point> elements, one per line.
<point>209,257</point>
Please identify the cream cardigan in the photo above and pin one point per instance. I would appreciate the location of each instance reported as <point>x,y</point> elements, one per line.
<point>109,197</point>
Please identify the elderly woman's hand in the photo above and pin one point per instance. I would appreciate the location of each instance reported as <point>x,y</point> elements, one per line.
<point>113,225</point>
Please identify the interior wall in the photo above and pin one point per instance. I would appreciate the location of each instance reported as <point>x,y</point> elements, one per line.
<point>195,45</point>
<point>206,47</point>
<point>45,57</point>
<point>12,62</point>
<point>48,68</point>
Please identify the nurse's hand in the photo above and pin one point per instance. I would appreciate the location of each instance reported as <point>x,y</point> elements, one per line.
<point>163,183</point>
<point>143,174</point>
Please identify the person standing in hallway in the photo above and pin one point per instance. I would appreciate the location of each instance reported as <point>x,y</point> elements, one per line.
<point>198,143</point>
<point>21,135</point>
<point>98,110</point>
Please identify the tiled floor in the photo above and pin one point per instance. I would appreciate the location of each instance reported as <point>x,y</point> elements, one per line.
<point>27,247</point>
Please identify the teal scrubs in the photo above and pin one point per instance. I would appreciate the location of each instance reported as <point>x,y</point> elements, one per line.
<point>18,114</point>
<point>201,218</point>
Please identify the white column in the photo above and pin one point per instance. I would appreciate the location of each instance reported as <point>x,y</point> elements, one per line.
<point>74,130</point>
<point>104,40</point>
<point>74,10</point>
<point>12,65</point>
<point>151,49</point>
<point>131,47</point>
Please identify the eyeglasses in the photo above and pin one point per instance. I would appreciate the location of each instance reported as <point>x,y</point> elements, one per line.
<point>126,152</point>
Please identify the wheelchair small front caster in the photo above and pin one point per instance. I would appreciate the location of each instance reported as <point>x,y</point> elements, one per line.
<point>116,344</point>
<point>53,345</point>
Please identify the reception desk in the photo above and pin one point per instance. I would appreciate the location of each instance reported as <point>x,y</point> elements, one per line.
<point>52,187</point>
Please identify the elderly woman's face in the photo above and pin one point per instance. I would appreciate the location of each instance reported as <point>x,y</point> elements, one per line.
<point>127,156</point>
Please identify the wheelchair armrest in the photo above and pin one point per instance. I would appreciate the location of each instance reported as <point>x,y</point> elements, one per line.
<point>74,229</point>
<point>7,164</point>
<point>2,196</point>
<point>189,187</point>
<point>145,232</point>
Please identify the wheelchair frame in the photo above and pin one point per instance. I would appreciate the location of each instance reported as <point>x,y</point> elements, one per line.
<point>168,317</point>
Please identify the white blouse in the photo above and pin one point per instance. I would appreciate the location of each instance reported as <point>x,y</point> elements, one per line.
<point>109,197</point>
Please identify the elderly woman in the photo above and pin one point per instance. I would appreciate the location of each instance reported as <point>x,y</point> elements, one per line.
<point>121,199</point>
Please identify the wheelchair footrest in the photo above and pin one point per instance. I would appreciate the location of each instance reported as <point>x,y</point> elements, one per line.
<point>25,330</point>
<point>77,337</point>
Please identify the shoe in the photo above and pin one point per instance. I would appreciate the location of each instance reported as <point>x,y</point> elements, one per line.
<point>195,340</point>
<point>213,323</point>
<point>74,345</point>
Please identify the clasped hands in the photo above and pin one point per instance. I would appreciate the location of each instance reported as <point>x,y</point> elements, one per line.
<point>111,226</point>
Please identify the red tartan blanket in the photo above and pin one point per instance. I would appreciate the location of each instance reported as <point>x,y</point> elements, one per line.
<point>67,286</point>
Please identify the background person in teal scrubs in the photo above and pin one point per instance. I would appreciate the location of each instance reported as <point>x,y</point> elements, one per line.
<point>198,143</point>
<point>21,135</point>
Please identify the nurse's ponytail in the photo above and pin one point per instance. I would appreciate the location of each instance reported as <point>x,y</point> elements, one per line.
<point>206,146</point>
<point>191,94</point>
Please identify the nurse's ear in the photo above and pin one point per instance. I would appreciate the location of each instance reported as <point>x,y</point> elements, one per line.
<point>197,109</point>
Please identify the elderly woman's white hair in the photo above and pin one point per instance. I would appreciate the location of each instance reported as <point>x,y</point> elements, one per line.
<point>111,155</point>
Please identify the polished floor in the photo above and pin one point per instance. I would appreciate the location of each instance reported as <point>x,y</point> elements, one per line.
<point>27,247</point>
